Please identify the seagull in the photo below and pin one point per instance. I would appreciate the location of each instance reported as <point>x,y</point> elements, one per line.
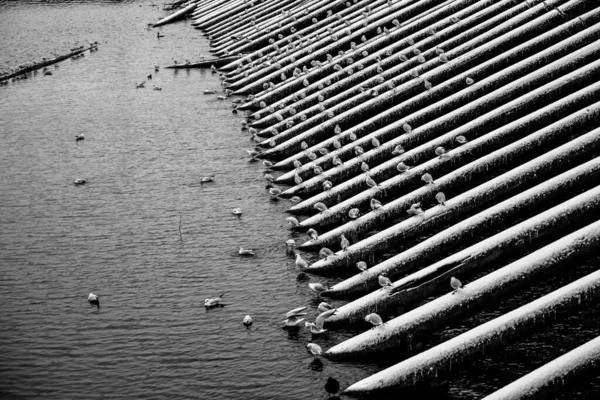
<point>401,167</point>
<point>208,91</point>
<point>354,213</point>
<point>213,302</point>
<point>313,234</point>
<point>332,386</point>
<point>295,312</point>
<point>156,87</point>
<point>415,209</point>
<point>315,349</point>
<point>140,85</point>
<point>243,252</point>
<point>375,319</point>
<point>206,179</point>
<point>79,137</point>
<point>362,266</point>
<point>317,327</point>
<point>364,166</point>
<point>314,329</point>
<point>440,151</point>
<point>456,284</point>
<point>375,204</point>
<point>441,198</point>
<point>461,139</point>
<point>344,243</point>
<point>370,182</point>
<point>325,252</point>
<point>320,206</point>
<point>300,262</point>
<point>427,178</point>
<point>80,181</point>
<point>293,320</point>
<point>290,243</point>
<point>385,282</point>
<point>237,211</point>
<point>322,307</point>
<point>317,287</point>
<point>247,320</point>
<point>292,221</point>
<point>327,185</point>
<point>94,299</point>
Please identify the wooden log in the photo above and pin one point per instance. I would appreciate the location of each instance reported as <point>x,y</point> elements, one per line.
<point>437,362</point>
<point>512,181</point>
<point>552,377</point>
<point>177,15</point>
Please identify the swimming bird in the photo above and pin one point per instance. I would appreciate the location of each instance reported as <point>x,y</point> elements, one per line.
<point>415,209</point>
<point>79,137</point>
<point>140,85</point>
<point>313,234</point>
<point>362,266</point>
<point>374,319</point>
<point>455,284</point>
<point>237,211</point>
<point>290,243</point>
<point>208,91</point>
<point>94,299</point>
<point>344,243</point>
<point>427,178</point>
<point>385,282</point>
<point>247,252</point>
<point>317,287</point>
<point>158,35</point>
<point>441,198</point>
<point>292,221</point>
<point>314,329</point>
<point>300,262</point>
<point>269,177</point>
<point>315,349</point>
<point>322,307</point>
<point>80,181</point>
<point>375,204</point>
<point>332,386</point>
<point>213,302</point>
<point>247,320</point>
<point>156,87</point>
<point>325,252</point>
<point>320,207</point>
<point>267,163</point>
<point>206,179</point>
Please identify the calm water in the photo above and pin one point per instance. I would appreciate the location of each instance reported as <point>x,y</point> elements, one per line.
<point>118,236</point>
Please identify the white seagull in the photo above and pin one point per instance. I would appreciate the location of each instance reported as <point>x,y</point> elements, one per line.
<point>385,282</point>
<point>375,319</point>
<point>213,302</point>
<point>244,252</point>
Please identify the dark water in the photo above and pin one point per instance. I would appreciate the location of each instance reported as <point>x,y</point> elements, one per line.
<point>118,236</point>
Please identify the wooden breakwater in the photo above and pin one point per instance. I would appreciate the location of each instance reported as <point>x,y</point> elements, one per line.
<point>427,139</point>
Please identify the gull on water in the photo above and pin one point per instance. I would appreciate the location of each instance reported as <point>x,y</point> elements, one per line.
<point>290,243</point>
<point>293,320</point>
<point>247,320</point>
<point>206,179</point>
<point>315,349</point>
<point>374,319</point>
<point>214,301</point>
<point>80,181</point>
<point>237,211</point>
<point>94,299</point>
<point>300,262</point>
<point>79,137</point>
<point>292,221</point>
<point>385,282</point>
<point>296,312</point>
<point>317,287</point>
<point>246,252</point>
